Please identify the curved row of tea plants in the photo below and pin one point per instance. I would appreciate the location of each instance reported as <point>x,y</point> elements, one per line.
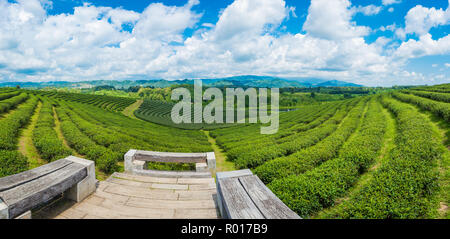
<point>257,156</point>
<point>45,138</point>
<point>445,88</point>
<point>116,141</point>
<point>239,138</point>
<point>406,184</point>
<point>111,103</point>
<point>319,188</point>
<point>159,112</point>
<point>431,95</point>
<point>12,102</point>
<point>11,161</point>
<point>105,159</point>
<point>439,108</point>
<point>7,95</point>
<point>308,158</point>
<point>157,137</point>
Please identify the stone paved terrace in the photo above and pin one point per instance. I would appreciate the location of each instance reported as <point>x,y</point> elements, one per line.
<point>126,196</point>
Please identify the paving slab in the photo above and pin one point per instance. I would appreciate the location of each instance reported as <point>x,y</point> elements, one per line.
<point>125,196</point>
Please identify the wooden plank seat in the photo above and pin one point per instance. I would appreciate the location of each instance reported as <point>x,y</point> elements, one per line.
<point>20,193</point>
<point>242,195</point>
<point>136,160</point>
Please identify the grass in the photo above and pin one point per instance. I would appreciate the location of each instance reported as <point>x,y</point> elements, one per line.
<point>222,163</point>
<point>129,111</point>
<point>26,146</point>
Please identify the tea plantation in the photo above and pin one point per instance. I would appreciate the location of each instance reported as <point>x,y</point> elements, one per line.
<point>379,156</point>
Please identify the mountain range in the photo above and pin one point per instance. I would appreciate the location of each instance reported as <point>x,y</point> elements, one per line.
<point>242,81</point>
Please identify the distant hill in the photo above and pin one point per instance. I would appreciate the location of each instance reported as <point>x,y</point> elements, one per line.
<point>336,83</point>
<point>237,81</point>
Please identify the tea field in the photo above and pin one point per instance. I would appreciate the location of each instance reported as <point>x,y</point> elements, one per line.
<point>375,156</point>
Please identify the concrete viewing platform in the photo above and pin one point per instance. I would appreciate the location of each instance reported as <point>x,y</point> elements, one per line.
<point>67,189</point>
<point>126,196</point>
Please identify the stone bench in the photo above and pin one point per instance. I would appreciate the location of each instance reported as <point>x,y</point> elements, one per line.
<point>136,160</point>
<point>242,195</point>
<point>20,193</point>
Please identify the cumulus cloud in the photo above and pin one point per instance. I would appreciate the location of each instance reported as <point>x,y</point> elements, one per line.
<point>332,20</point>
<point>168,23</point>
<point>390,2</point>
<point>420,20</point>
<point>114,44</point>
<point>244,17</point>
<point>368,10</point>
<point>425,46</point>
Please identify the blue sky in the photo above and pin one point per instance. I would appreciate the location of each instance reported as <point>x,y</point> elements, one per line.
<point>383,42</point>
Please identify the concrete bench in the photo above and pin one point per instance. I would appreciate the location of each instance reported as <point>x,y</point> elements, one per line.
<point>242,195</point>
<point>136,160</point>
<point>20,193</point>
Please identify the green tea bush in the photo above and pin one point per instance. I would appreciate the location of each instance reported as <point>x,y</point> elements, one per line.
<point>12,162</point>
<point>443,97</point>
<point>7,95</point>
<point>10,103</point>
<point>306,159</point>
<point>44,137</point>
<point>10,126</point>
<point>105,159</point>
<point>319,188</point>
<point>405,186</point>
<point>439,108</point>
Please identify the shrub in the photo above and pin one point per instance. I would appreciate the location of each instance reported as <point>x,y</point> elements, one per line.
<point>9,126</point>
<point>44,137</point>
<point>320,187</point>
<point>12,162</point>
<point>306,159</point>
<point>439,108</point>
<point>405,185</point>
<point>8,104</point>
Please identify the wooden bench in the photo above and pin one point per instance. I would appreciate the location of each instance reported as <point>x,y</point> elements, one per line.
<point>242,195</point>
<point>20,193</point>
<point>136,160</point>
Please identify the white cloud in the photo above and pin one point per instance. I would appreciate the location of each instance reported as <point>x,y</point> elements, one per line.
<point>391,9</point>
<point>447,65</point>
<point>210,25</point>
<point>93,43</point>
<point>168,23</point>
<point>390,2</point>
<point>332,20</point>
<point>368,10</point>
<point>425,46</point>
<point>391,28</point>
<point>244,17</point>
<point>420,20</point>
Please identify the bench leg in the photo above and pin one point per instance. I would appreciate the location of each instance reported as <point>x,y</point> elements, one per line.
<point>4,212</point>
<point>211,160</point>
<point>25,215</point>
<point>128,160</point>
<point>201,167</point>
<point>87,186</point>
